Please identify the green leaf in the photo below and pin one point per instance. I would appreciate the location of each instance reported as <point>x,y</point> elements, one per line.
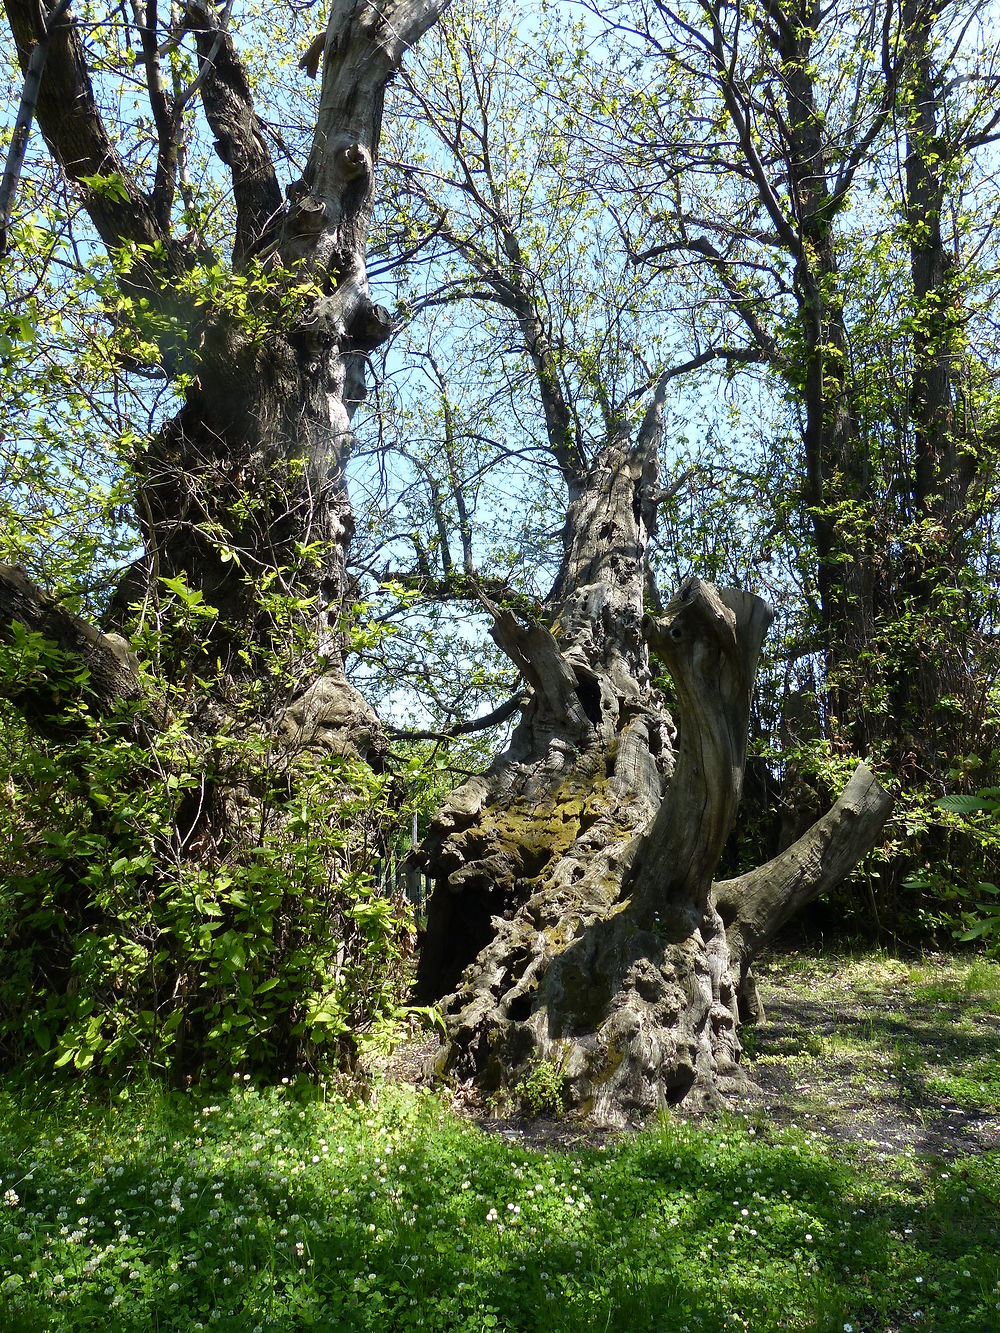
<point>957,804</point>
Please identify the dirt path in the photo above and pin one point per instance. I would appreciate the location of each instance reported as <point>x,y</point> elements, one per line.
<point>894,1057</point>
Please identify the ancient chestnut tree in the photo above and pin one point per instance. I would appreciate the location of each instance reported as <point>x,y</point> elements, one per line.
<point>575,916</point>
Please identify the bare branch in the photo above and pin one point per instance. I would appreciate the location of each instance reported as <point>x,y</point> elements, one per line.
<point>493,719</point>
<point>25,115</point>
<point>239,136</point>
<point>758,904</point>
<point>167,138</point>
<point>79,140</point>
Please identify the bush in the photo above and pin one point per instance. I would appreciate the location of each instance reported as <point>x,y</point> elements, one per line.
<point>193,909</point>
<point>541,1090</point>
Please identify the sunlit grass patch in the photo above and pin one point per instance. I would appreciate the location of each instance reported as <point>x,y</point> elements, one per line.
<point>279,1210</point>
<point>910,1039</point>
<point>982,978</point>
<point>958,981</point>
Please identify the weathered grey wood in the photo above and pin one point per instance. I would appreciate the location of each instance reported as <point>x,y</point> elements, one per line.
<point>710,640</point>
<point>573,917</point>
<point>756,905</point>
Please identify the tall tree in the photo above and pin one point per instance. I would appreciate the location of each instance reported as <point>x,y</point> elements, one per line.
<point>239,499</point>
<point>779,182</point>
<point>574,917</point>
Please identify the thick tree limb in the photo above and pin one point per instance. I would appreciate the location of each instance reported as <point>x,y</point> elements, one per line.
<point>77,137</point>
<point>709,639</point>
<point>364,47</point>
<point>239,138</point>
<point>535,653</point>
<point>756,905</point>
<point>99,670</point>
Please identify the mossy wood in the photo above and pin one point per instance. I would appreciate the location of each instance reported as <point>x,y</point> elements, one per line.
<point>574,918</point>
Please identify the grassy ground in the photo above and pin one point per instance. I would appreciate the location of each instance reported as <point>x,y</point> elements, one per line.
<point>889,1055</point>
<point>282,1209</point>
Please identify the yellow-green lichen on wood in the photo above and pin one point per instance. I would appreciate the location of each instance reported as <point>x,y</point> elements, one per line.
<point>612,1055</point>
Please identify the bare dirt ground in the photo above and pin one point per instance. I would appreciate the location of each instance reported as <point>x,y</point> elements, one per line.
<point>897,1058</point>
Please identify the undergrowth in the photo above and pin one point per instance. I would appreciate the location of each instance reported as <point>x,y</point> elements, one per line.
<point>283,1209</point>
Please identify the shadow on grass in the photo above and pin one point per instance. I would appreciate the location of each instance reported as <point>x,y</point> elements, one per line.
<point>903,1068</point>
<point>422,1222</point>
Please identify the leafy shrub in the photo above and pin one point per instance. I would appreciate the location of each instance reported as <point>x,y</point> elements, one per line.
<point>188,904</point>
<point>540,1091</point>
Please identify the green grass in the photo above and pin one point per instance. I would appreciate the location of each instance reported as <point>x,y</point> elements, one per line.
<point>279,1210</point>
<point>917,1033</point>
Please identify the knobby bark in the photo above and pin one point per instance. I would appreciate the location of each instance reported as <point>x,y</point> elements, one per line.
<point>574,917</point>
<point>244,489</point>
<point>240,500</point>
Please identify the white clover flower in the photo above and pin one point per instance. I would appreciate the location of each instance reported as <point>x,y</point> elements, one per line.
<point>11,1198</point>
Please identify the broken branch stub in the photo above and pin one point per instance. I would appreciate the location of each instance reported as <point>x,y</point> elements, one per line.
<point>709,639</point>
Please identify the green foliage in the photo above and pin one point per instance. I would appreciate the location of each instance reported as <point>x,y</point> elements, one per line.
<point>287,1209</point>
<point>978,817</point>
<point>188,903</point>
<point>540,1091</point>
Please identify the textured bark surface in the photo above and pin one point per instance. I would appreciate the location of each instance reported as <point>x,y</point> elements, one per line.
<point>243,492</point>
<point>99,667</point>
<point>240,499</point>
<point>574,918</point>
<point>237,603</point>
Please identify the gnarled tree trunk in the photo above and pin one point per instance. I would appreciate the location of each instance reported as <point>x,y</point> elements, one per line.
<point>240,501</point>
<point>243,493</point>
<point>574,918</point>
